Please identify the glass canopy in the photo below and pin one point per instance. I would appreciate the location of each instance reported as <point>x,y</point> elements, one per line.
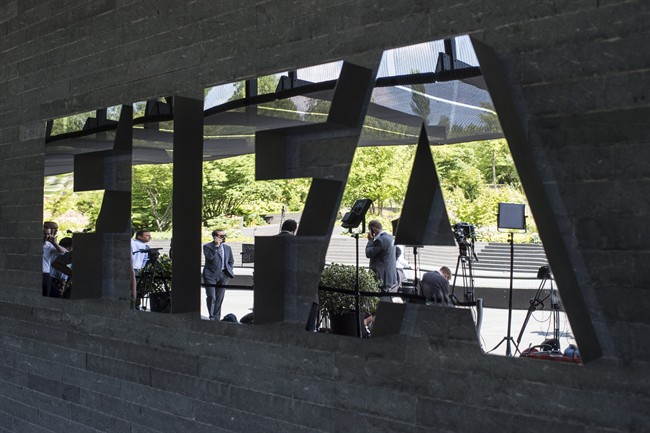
<point>438,83</point>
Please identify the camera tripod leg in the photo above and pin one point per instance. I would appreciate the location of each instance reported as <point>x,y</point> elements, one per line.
<point>453,286</point>
<point>534,303</point>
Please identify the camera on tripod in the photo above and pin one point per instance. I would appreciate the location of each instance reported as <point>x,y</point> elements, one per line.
<point>465,235</point>
<point>152,254</point>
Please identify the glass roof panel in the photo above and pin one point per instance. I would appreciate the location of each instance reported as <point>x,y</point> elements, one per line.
<point>414,58</point>
<point>453,111</point>
<point>320,73</point>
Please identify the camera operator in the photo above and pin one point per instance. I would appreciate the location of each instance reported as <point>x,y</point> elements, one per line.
<point>139,249</point>
<point>140,255</point>
<point>435,286</point>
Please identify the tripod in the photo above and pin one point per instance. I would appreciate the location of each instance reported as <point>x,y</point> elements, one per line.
<point>416,278</point>
<point>538,303</point>
<point>466,255</point>
<point>357,293</point>
<point>281,219</point>
<point>153,280</point>
<point>508,338</point>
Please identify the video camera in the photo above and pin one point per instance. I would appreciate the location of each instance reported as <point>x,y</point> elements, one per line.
<point>463,232</point>
<point>153,253</point>
<point>465,236</point>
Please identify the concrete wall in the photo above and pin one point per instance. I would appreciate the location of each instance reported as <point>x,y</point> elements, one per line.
<point>579,73</point>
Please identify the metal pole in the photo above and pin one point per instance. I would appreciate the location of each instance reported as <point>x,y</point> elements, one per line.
<point>357,303</point>
<point>512,258</point>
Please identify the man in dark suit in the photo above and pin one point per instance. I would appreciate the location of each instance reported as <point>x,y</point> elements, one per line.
<point>288,228</point>
<point>217,271</point>
<point>380,249</point>
<point>435,286</point>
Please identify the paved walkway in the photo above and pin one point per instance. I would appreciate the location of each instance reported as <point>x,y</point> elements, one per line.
<point>494,326</point>
<point>491,284</point>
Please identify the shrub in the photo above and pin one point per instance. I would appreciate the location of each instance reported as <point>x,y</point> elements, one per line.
<point>343,277</point>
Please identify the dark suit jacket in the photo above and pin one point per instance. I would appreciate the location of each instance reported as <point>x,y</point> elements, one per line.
<point>435,286</point>
<point>213,265</point>
<point>381,252</point>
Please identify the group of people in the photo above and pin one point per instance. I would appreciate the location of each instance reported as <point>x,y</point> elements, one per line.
<point>387,262</point>
<point>57,262</point>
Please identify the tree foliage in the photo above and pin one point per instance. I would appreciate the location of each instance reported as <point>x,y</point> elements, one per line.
<point>474,177</point>
<point>152,197</point>
<point>230,188</point>
<point>75,211</point>
<point>380,174</point>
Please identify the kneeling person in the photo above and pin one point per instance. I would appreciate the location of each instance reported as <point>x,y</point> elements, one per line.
<point>435,286</point>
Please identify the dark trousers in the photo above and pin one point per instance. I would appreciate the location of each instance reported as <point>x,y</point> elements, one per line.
<point>55,288</point>
<point>214,295</point>
<point>312,320</point>
<point>47,284</point>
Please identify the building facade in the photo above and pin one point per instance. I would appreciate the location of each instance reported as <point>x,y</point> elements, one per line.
<point>577,77</point>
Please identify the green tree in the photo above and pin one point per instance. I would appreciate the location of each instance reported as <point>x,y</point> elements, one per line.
<point>381,174</point>
<point>230,188</point>
<point>152,196</point>
<point>495,162</point>
<point>72,123</point>
<point>73,211</point>
<point>225,185</point>
<point>457,167</point>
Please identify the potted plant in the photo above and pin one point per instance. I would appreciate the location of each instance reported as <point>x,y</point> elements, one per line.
<point>340,307</point>
<point>155,282</point>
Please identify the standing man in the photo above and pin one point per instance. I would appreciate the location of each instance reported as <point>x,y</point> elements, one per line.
<point>380,249</point>
<point>140,255</point>
<point>217,271</point>
<point>289,228</point>
<point>435,286</point>
<point>138,249</point>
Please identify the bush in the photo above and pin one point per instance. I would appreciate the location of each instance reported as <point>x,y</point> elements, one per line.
<point>343,277</point>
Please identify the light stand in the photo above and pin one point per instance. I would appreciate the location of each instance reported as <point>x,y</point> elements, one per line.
<point>351,220</point>
<point>416,279</point>
<point>555,308</point>
<point>357,293</point>
<point>281,219</point>
<point>538,303</point>
<point>510,216</point>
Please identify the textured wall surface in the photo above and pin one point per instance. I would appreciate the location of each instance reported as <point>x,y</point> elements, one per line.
<point>579,73</point>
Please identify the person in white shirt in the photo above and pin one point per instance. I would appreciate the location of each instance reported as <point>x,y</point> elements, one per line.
<point>60,276</point>
<point>51,249</point>
<point>401,263</point>
<point>139,249</point>
<point>140,255</point>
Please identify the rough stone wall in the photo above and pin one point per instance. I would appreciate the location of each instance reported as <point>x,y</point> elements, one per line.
<point>579,71</point>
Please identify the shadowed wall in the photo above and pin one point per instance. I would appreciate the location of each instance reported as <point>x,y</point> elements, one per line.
<point>578,73</point>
